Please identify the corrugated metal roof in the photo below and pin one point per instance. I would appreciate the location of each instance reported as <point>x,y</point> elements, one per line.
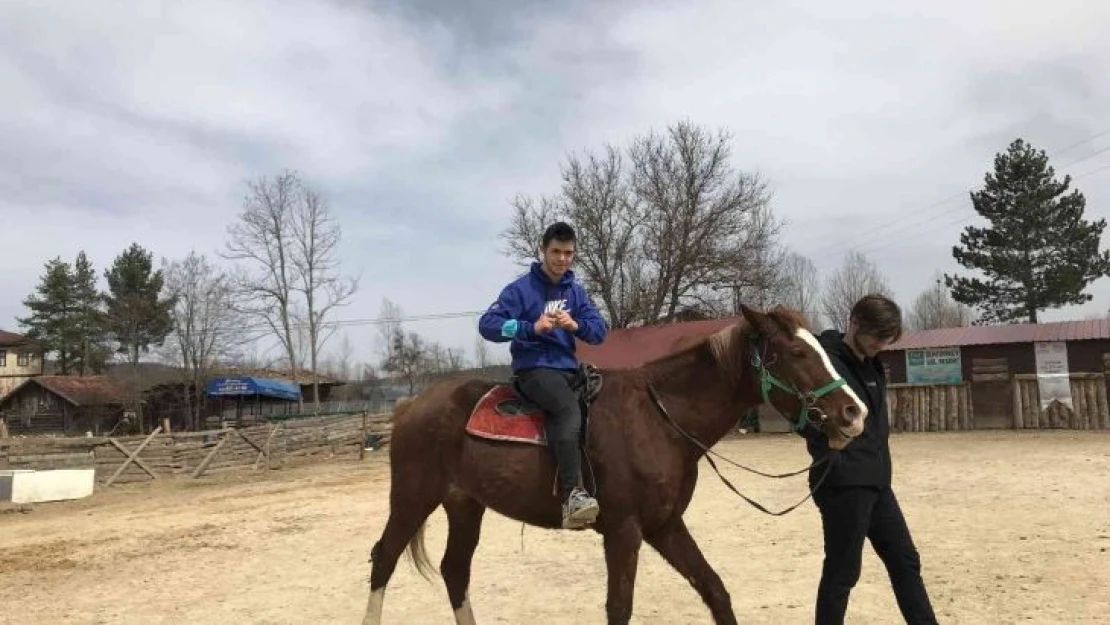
<point>631,347</point>
<point>1084,330</point>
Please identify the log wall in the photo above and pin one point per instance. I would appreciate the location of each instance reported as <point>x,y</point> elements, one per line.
<point>930,408</point>
<point>191,453</point>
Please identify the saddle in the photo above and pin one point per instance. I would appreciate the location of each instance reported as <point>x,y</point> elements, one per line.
<point>504,413</point>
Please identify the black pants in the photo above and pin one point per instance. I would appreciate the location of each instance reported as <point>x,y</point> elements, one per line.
<point>848,516</point>
<point>551,390</point>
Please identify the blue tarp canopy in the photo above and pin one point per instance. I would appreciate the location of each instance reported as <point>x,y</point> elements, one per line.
<point>245,385</point>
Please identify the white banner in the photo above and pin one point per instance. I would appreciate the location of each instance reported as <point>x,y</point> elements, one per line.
<point>1053,378</point>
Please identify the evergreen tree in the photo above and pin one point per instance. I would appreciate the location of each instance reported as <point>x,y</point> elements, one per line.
<point>90,319</point>
<point>136,315</point>
<point>1038,252</point>
<point>51,321</point>
<point>67,317</point>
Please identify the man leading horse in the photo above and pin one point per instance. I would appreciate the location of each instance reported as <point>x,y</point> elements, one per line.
<point>541,313</point>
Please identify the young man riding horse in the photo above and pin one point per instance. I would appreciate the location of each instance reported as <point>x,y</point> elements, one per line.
<point>541,313</point>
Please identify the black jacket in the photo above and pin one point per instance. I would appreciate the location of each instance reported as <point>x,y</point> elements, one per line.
<point>866,460</point>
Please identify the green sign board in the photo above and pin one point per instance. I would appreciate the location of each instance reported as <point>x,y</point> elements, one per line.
<point>934,366</point>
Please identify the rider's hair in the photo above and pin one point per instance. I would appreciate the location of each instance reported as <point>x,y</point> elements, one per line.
<point>878,316</point>
<point>559,231</point>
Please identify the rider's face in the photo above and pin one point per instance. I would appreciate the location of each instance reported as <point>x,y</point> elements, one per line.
<point>558,256</point>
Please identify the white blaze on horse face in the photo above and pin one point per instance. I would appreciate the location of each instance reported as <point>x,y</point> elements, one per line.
<point>811,340</point>
<point>374,607</point>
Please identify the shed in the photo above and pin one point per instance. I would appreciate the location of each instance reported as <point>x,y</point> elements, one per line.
<point>989,357</point>
<point>59,404</point>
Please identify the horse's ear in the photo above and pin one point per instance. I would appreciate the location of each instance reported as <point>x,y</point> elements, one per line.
<point>762,324</point>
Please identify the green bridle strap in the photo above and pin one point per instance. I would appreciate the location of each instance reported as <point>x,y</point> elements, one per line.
<point>768,379</point>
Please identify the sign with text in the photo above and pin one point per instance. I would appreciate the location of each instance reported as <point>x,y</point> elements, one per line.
<point>1053,377</point>
<point>934,366</point>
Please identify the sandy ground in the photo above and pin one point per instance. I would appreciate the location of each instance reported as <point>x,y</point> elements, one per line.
<point>1013,528</point>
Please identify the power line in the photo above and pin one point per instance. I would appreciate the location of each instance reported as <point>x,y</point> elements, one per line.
<point>933,216</point>
<point>961,219</point>
<point>925,209</point>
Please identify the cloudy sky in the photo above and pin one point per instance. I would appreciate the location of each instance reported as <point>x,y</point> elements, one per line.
<point>131,121</point>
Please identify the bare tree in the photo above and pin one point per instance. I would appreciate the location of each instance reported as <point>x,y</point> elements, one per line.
<point>858,276</point>
<point>481,353</point>
<point>657,234</point>
<point>206,324</point>
<point>800,290</point>
<point>934,308</point>
<point>316,237</point>
<point>263,238</point>
<point>343,356</point>
<point>389,327</point>
<point>408,359</point>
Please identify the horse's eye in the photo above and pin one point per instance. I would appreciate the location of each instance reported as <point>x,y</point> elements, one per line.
<point>798,352</point>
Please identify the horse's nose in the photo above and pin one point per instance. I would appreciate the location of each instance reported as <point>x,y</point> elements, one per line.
<point>851,412</point>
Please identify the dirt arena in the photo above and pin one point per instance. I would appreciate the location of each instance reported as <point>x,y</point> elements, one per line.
<point>1013,528</point>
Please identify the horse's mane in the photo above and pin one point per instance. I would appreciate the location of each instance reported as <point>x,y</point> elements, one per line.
<point>727,345</point>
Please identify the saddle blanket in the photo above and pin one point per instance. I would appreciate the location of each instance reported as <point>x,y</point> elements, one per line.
<point>501,414</point>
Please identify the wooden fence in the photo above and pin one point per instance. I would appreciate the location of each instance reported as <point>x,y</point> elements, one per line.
<point>193,454</point>
<point>1088,398</point>
<point>949,407</point>
<point>929,408</point>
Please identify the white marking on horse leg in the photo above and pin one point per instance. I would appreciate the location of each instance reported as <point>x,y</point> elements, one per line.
<point>374,607</point>
<point>813,342</point>
<point>464,615</point>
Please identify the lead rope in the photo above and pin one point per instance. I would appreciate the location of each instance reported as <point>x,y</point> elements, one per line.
<point>709,453</point>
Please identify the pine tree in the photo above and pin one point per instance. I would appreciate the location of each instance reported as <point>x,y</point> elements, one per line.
<point>136,315</point>
<point>89,318</point>
<point>67,316</point>
<point>1038,252</point>
<point>51,321</point>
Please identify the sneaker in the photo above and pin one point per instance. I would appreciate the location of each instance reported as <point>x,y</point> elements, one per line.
<point>580,510</point>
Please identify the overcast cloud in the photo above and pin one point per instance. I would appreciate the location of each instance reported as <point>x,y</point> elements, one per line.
<point>124,124</point>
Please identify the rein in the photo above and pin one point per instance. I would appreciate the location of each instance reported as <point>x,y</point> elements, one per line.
<point>766,381</point>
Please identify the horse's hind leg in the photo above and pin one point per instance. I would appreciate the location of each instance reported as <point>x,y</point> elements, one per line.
<point>464,517</point>
<point>413,497</point>
<point>678,548</point>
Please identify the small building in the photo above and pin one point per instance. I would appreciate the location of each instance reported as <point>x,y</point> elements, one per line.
<point>20,359</point>
<point>58,404</point>
<point>990,359</point>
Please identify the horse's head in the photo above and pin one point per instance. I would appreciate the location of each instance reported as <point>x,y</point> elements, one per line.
<point>795,375</point>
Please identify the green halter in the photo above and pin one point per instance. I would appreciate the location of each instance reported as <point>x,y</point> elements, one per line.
<point>768,379</point>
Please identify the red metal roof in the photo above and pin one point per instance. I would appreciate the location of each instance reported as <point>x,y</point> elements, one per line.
<point>1090,329</point>
<point>631,347</point>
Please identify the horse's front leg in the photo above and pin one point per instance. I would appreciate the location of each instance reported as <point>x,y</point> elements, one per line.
<point>622,553</point>
<point>679,549</point>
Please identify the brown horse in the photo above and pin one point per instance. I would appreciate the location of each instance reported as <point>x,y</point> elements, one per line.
<point>643,468</point>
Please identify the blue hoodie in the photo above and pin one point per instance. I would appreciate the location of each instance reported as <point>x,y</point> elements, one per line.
<point>520,305</point>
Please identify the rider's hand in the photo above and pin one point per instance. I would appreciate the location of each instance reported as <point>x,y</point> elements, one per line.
<point>544,324</point>
<point>564,320</point>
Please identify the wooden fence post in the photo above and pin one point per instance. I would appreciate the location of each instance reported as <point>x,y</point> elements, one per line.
<point>362,440</point>
<point>133,456</point>
<point>208,459</point>
<point>265,451</point>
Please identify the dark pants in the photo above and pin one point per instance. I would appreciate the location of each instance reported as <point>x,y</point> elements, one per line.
<point>848,516</point>
<point>551,390</point>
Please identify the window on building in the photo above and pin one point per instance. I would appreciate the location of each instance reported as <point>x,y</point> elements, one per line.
<point>3,358</point>
<point>23,359</point>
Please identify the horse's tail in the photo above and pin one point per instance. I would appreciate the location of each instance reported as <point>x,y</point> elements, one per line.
<point>419,556</point>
